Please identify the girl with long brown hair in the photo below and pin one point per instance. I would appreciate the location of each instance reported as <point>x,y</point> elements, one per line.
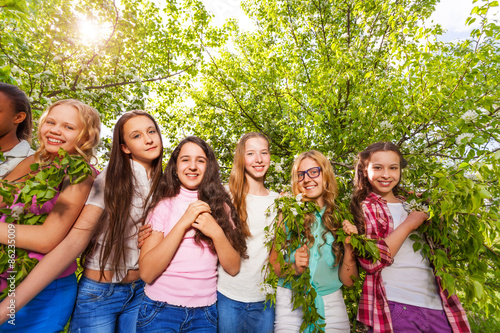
<point>331,264</point>
<point>240,303</point>
<point>110,290</point>
<point>400,291</point>
<point>195,226</point>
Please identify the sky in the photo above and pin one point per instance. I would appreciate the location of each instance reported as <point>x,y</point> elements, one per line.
<point>451,14</point>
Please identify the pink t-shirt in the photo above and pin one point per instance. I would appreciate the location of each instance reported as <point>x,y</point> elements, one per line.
<point>190,279</point>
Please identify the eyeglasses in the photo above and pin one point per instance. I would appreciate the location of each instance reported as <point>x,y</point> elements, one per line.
<point>312,173</point>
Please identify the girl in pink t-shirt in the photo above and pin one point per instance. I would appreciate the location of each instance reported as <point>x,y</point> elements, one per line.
<point>195,226</point>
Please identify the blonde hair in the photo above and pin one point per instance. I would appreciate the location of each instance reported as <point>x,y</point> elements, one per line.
<point>330,193</point>
<point>88,138</point>
<point>238,185</point>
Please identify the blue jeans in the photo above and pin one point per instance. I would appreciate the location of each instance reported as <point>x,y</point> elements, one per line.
<point>106,307</point>
<point>49,311</point>
<point>243,317</point>
<point>156,317</point>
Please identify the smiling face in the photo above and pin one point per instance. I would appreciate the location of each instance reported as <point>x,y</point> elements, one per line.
<point>257,158</point>
<point>61,129</point>
<point>311,187</point>
<point>191,165</point>
<point>383,173</point>
<point>142,140</point>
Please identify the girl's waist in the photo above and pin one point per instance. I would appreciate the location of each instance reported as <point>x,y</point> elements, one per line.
<point>107,277</point>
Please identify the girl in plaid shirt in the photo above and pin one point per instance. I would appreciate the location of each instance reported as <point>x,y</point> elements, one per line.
<point>400,292</point>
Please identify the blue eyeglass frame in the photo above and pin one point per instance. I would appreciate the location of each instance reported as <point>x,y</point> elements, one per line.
<point>301,175</point>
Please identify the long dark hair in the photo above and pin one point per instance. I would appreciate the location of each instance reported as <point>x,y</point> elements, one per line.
<point>210,191</point>
<point>20,103</point>
<point>362,186</point>
<point>120,179</point>
<point>238,184</point>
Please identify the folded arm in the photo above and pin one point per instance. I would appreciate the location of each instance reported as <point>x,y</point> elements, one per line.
<point>43,238</point>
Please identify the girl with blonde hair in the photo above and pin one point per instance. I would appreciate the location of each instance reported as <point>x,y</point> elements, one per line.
<point>331,264</point>
<point>240,303</point>
<point>74,127</point>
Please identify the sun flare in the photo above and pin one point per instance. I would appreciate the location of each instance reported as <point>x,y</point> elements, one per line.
<point>92,31</point>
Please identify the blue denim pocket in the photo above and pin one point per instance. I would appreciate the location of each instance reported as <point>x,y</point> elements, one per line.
<point>211,314</point>
<point>90,294</point>
<point>147,311</point>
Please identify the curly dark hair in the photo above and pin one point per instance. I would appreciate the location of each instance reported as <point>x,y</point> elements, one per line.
<point>210,191</point>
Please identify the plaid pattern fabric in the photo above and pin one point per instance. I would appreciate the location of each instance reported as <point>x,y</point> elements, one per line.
<point>373,306</point>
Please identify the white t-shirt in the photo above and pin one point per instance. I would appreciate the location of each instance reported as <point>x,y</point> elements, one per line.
<point>246,285</point>
<point>96,197</point>
<point>14,156</point>
<point>410,279</point>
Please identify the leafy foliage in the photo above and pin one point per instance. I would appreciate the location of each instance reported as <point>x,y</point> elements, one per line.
<point>331,75</point>
<point>112,55</point>
<point>338,75</point>
<point>38,188</point>
<point>287,234</point>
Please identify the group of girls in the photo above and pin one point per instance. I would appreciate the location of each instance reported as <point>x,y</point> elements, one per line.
<point>202,248</point>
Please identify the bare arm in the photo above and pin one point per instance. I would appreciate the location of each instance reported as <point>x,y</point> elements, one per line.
<point>20,171</point>
<point>348,267</point>
<point>399,235</point>
<point>390,245</point>
<point>43,238</point>
<point>56,261</point>
<point>301,256</point>
<point>158,251</point>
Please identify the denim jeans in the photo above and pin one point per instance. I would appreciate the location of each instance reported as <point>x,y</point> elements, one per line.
<point>106,307</point>
<point>49,311</point>
<point>156,317</point>
<point>242,317</point>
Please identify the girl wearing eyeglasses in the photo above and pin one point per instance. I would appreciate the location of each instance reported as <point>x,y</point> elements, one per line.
<point>331,264</point>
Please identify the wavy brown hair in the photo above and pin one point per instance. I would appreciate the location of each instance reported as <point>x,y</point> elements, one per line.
<point>88,138</point>
<point>20,103</point>
<point>120,179</point>
<point>210,191</point>
<point>238,184</point>
<point>362,186</point>
<point>330,193</point>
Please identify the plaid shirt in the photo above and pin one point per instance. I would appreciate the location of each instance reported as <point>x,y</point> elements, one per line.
<point>373,306</point>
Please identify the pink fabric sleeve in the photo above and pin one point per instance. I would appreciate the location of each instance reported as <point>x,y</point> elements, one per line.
<point>157,217</point>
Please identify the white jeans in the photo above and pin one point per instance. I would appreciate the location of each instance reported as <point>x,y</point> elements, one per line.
<point>287,321</point>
